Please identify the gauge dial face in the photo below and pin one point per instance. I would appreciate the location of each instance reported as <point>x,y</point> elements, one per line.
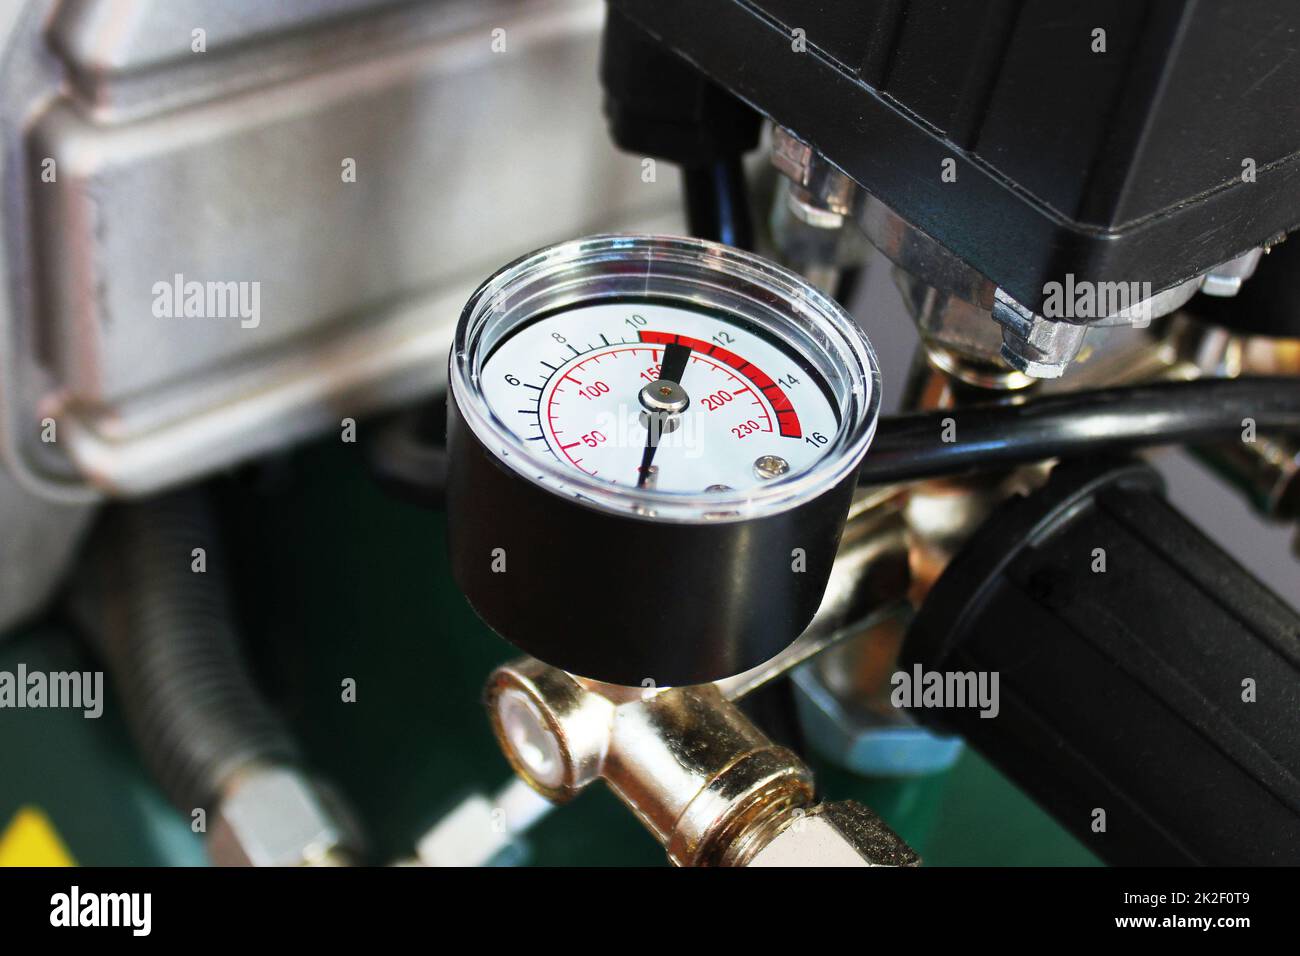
<point>593,385</point>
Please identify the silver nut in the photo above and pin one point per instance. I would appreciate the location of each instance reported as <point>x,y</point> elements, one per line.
<point>810,212</point>
<point>276,816</point>
<point>949,321</point>
<point>1226,279</point>
<point>483,830</point>
<point>825,194</point>
<point>1039,347</point>
<point>834,834</point>
<point>791,155</point>
<point>843,728</point>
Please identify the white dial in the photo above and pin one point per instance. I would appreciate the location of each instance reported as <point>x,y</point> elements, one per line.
<point>748,409</point>
<point>672,379</point>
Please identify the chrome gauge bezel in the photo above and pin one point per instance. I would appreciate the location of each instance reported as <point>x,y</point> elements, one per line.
<point>689,273</point>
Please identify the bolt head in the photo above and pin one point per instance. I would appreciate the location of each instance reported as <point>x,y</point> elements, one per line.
<point>770,466</point>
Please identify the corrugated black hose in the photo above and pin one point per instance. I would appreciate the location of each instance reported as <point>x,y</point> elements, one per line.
<point>167,633</point>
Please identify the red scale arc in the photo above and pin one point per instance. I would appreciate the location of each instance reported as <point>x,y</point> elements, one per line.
<point>786,416</point>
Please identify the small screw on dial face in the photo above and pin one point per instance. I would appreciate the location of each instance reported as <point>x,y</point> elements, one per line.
<point>770,466</point>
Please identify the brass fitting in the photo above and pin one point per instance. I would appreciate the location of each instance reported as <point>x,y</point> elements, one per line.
<point>710,786</point>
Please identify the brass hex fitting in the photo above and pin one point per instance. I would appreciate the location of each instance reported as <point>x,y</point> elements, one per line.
<point>697,772</point>
<point>692,768</point>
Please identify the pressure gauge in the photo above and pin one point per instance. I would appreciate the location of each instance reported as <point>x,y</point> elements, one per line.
<point>653,445</point>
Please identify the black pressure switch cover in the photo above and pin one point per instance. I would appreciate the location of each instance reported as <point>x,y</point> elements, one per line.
<point>659,105</point>
<point>1111,141</point>
<point>1149,686</point>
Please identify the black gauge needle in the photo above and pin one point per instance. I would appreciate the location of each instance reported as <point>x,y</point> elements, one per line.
<point>647,457</point>
<point>662,399</point>
<point>673,367</point>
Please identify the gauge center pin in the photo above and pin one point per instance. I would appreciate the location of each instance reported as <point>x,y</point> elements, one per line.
<point>663,397</point>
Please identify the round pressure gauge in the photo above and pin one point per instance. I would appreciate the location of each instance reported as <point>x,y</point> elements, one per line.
<point>653,443</point>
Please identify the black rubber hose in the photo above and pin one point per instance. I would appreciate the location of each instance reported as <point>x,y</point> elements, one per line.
<point>717,202</point>
<point>1073,424</point>
<point>169,639</point>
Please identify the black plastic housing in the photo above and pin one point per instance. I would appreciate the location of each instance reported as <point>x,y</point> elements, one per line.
<point>1122,165</point>
<point>626,599</point>
<point>680,116</point>
<point>1123,690</point>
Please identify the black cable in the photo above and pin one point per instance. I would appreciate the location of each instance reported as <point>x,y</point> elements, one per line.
<point>1074,424</point>
<point>717,202</point>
